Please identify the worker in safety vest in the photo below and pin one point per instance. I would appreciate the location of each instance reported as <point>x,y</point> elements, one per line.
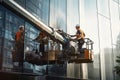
<point>42,38</point>
<point>19,46</point>
<point>19,37</point>
<point>80,35</point>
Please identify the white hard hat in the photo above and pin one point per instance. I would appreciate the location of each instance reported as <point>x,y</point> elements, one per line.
<point>21,26</point>
<point>77,25</point>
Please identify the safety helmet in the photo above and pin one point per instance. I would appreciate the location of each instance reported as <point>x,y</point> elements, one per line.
<point>77,26</point>
<point>21,27</point>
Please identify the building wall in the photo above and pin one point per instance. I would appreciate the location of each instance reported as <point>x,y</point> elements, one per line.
<point>10,23</point>
<point>100,20</point>
<point>38,8</point>
<point>58,14</point>
<point>73,18</point>
<point>1,34</point>
<point>8,29</point>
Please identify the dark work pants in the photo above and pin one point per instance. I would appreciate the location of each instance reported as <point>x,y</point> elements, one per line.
<point>19,55</point>
<point>41,48</point>
<point>80,43</point>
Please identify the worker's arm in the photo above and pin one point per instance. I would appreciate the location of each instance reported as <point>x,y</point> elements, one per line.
<point>73,35</point>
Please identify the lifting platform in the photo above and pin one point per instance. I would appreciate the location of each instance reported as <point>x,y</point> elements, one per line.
<point>61,57</point>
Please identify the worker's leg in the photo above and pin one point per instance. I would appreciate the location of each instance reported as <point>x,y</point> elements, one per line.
<point>21,57</point>
<point>80,44</point>
<point>16,57</point>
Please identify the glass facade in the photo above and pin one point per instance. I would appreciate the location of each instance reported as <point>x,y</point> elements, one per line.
<point>103,7</point>
<point>12,23</point>
<point>88,22</point>
<point>57,20</point>
<point>1,34</point>
<point>73,18</point>
<point>38,8</point>
<point>100,20</point>
<point>58,14</point>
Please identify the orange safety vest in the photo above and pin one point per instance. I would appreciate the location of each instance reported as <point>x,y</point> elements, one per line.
<point>19,36</point>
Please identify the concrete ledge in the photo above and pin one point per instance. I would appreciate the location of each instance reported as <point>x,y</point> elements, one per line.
<point>7,75</point>
<point>49,77</point>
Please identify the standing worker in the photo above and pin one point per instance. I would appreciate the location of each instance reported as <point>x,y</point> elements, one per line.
<point>80,35</point>
<point>19,48</point>
<point>42,39</point>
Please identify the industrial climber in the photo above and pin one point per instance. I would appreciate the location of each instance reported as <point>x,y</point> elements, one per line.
<point>19,47</point>
<point>42,39</point>
<point>80,35</point>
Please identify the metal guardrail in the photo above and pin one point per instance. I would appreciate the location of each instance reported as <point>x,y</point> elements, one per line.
<point>89,43</point>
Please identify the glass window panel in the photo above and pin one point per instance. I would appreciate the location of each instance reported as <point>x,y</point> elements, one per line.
<point>21,2</point>
<point>7,61</point>
<point>0,33</point>
<point>106,48</point>
<point>58,14</point>
<point>9,17</point>
<point>31,6</point>
<point>39,9</point>
<point>12,23</point>
<point>45,11</point>
<point>58,18</point>
<point>119,10</point>
<point>106,39</point>
<point>103,7</point>
<point>72,20</point>
<point>1,18</point>
<point>1,26</point>
<point>40,6</point>
<point>72,15</point>
<point>116,1</point>
<point>32,29</point>
<point>1,14</point>
<point>0,45</point>
<point>115,26</point>
<point>36,2</point>
<point>7,34</point>
<point>115,21</point>
<point>88,22</point>
<point>31,34</point>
